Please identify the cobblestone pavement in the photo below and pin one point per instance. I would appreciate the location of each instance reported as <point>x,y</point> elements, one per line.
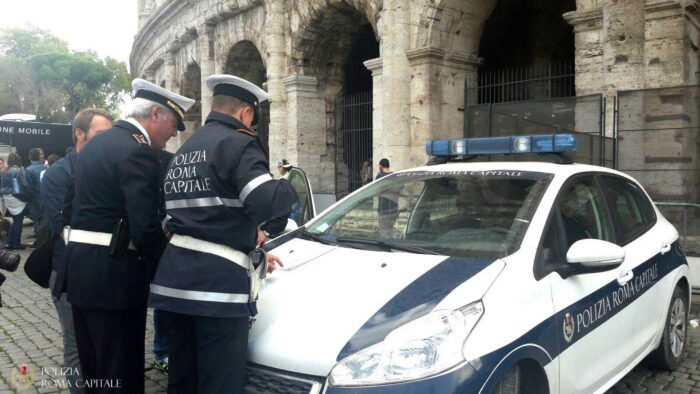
<point>30,335</point>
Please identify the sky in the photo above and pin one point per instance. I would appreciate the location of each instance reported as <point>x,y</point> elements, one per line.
<point>104,26</point>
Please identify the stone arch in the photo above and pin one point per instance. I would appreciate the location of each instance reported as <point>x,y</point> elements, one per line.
<point>245,60</point>
<point>526,32</point>
<point>333,40</point>
<point>247,26</point>
<point>325,36</point>
<point>191,86</point>
<point>452,25</point>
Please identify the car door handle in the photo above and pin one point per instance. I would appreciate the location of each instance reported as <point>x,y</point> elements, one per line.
<point>665,248</point>
<point>625,277</point>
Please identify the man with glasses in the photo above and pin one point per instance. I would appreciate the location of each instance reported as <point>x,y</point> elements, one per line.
<point>55,183</point>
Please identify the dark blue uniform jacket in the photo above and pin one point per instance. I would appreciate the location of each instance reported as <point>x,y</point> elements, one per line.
<point>117,177</point>
<point>218,189</point>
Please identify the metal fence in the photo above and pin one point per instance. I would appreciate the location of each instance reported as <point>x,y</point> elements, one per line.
<point>583,116</point>
<point>353,142</point>
<point>658,144</point>
<point>526,83</point>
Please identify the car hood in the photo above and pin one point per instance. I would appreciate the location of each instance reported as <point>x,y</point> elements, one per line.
<point>330,301</point>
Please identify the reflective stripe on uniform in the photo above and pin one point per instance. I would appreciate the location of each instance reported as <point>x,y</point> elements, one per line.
<point>203,202</point>
<point>253,184</point>
<point>199,295</point>
<point>226,252</point>
<point>89,237</point>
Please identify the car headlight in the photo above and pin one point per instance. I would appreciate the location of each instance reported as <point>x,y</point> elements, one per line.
<point>424,347</point>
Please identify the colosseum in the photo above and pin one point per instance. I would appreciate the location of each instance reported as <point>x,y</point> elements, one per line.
<point>353,81</point>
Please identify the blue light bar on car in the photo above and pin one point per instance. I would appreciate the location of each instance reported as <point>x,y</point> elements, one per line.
<point>548,143</point>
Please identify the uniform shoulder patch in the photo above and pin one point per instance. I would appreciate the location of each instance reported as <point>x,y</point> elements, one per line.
<point>139,138</point>
<point>244,131</point>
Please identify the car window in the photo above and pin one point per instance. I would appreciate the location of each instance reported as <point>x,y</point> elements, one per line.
<point>553,247</point>
<point>631,206</point>
<point>301,212</point>
<point>462,213</point>
<point>583,212</point>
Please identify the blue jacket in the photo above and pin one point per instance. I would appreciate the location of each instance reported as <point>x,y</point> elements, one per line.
<point>34,178</point>
<point>6,180</point>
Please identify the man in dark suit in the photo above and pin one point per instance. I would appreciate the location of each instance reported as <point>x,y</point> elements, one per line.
<point>116,238</point>
<point>55,183</point>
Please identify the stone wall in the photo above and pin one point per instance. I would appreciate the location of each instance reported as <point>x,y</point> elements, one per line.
<point>428,48</point>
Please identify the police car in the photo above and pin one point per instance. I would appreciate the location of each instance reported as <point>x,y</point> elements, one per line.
<point>475,277</point>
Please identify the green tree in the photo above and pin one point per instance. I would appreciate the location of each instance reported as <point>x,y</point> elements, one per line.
<point>17,91</point>
<point>39,74</point>
<point>23,43</point>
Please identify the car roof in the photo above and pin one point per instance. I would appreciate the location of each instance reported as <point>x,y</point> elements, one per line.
<point>544,167</point>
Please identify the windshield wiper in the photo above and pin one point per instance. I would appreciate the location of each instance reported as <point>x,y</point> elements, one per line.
<point>314,237</point>
<point>388,246</point>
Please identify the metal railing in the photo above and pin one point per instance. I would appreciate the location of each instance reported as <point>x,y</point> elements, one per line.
<point>685,206</point>
<point>525,83</point>
<point>353,142</point>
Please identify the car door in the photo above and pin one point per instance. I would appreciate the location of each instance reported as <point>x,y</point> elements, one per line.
<point>594,331</point>
<point>305,209</point>
<point>647,255</point>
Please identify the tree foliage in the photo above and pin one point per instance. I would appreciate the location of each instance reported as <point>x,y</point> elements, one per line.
<point>40,75</point>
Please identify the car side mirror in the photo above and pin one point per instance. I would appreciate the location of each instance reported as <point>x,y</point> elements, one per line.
<point>588,256</point>
<point>595,253</point>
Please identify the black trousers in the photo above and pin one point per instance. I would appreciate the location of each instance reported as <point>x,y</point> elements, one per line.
<point>111,347</point>
<point>207,354</point>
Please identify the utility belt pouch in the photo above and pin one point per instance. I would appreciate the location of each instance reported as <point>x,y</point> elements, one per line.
<point>257,271</point>
<point>119,243</point>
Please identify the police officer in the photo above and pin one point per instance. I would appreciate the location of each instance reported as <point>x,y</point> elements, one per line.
<point>221,199</point>
<point>116,239</point>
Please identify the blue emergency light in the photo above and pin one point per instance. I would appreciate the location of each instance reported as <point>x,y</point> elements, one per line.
<point>547,143</point>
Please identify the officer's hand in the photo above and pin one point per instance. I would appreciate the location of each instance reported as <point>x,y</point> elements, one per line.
<point>262,238</point>
<point>272,262</point>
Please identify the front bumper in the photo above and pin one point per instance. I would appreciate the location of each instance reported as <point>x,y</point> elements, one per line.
<point>461,379</point>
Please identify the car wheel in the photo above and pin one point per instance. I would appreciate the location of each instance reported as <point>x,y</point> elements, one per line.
<point>671,349</point>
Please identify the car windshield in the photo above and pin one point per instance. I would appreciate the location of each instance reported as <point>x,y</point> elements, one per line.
<point>460,213</point>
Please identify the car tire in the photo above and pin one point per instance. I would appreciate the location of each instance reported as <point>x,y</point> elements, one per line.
<point>670,352</point>
<point>510,383</point>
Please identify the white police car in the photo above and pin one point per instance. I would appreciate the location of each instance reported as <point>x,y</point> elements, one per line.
<point>475,278</point>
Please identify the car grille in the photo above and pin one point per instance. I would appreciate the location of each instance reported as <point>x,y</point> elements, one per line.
<point>265,381</point>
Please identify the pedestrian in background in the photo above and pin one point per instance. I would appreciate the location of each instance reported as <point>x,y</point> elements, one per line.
<point>14,189</point>
<point>55,200</point>
<point>3,209</point>
<point>388,209</point>
<point>53,158</point>
<point>365,173</point>
<point>116,236</point>
<point>283,167</point>
<point>34,170</point>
